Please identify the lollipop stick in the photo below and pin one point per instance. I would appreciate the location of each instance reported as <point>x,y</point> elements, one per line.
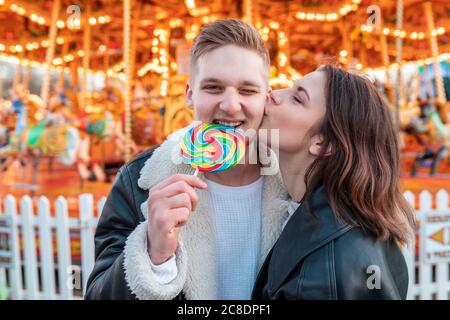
<point>196,172</point>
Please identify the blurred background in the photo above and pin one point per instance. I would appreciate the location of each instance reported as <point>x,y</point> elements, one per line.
<point>86,85</point>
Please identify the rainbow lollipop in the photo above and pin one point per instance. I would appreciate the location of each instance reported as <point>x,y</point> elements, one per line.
<point>212,147</point>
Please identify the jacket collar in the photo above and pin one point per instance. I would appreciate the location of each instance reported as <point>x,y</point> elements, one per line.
<point>196,235</point>
<point>303,234</point>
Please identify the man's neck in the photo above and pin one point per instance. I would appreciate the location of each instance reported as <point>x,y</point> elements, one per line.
<point>240,175</point>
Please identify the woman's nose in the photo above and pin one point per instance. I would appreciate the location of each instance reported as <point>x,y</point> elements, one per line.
<point>274,98</point>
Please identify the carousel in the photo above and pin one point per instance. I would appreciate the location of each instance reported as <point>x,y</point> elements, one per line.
<point>89,84</point>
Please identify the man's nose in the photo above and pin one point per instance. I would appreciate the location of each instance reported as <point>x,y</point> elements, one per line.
<point>231,103</point>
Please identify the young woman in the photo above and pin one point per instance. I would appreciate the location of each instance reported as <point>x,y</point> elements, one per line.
<point>339,160</point>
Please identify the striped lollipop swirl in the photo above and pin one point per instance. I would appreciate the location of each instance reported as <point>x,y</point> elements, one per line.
<point>212,147</point>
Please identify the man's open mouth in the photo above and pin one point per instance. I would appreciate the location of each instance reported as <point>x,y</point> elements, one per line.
<point>229,123</point>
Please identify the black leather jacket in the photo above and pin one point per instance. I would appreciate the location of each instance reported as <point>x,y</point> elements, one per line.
<point>319,258</point>
<point>120,216</point>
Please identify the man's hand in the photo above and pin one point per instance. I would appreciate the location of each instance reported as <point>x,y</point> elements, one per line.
<point>170,204</point>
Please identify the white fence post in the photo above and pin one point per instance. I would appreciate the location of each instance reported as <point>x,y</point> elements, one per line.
<point>64,252</point>
<point>46,250</point>
<point>409,252</point>
<point>15,273</point>
<point>28,235</point>
<point>87,237</point>
<point>425,269</point>
<point>442,271</point>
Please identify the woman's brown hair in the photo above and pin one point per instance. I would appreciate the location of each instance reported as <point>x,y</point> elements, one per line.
<point>359,163</point>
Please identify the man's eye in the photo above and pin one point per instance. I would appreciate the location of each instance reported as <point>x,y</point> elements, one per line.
<point>248,92</point>
<point>212,88</point>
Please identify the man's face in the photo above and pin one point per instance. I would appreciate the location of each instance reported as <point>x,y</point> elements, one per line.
<point>229,87</point>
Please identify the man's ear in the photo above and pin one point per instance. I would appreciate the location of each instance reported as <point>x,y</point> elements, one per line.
<point>316,145</point>
<point>188,94</point>
<point>269,91</point>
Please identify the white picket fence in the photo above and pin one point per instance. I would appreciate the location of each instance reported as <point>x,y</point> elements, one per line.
<point>29,275</point>
<point>427,281</point>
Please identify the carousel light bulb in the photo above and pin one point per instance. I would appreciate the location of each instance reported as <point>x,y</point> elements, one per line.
<point>154,49</point>
<point>343,11</point>
<point>60,24</point>
<point>310,16</point>
<point>433,33</point>
<point>190,4</point>
<point>359,66</point>
<point>155,42</point>
<point>92,21</point>
<point>107,19</point>
<point>13,7</point>
<point>44,43</point>
<point>300,15</point>
<point>396,32</point>
<point>102,48</point>
<point>33,17</point>
<point>402,34</point>
<point>320,17</point>
<point>155,61</point>
<point>21,11</point>
<point>80,53</point>
<point>60,40</point>
<point>386,31</point>
<point>413,35</point>
<point>421,35</point>
<point>354,7</point>
<point>369,28</point>
<point>29,46</point>
<point>274,25</point>
<point>441,30</point>
<point>41,20</point>
<point>343,53</point>
<point>2,47</point>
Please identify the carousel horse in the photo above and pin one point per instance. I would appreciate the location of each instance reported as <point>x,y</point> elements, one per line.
<point>431,132</point>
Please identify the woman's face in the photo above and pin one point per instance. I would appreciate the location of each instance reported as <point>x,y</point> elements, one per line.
<point>294,111</point>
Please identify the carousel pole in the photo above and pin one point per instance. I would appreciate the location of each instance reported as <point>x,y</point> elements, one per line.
<point>128,75</point>
<point>134,32</point>
<point>248,11</point>
<point>18,75</point>
<point>346,41</point>
<point>385,59</point>
<point>49,54</point>
<point>399,47</point>
<point>435,51</point>
<point>60,81</point>
<point>86,57</point>
<point>26,77</point>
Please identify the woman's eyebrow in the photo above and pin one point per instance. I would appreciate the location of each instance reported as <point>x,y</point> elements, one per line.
<point>300,88</point>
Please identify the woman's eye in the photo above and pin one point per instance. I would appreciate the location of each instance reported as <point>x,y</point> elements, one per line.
<point>297,100</point>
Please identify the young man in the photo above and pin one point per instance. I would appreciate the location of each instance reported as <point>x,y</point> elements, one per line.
<point>165,234</point>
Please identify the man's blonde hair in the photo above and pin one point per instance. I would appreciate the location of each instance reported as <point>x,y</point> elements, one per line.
<point>227,32</point>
